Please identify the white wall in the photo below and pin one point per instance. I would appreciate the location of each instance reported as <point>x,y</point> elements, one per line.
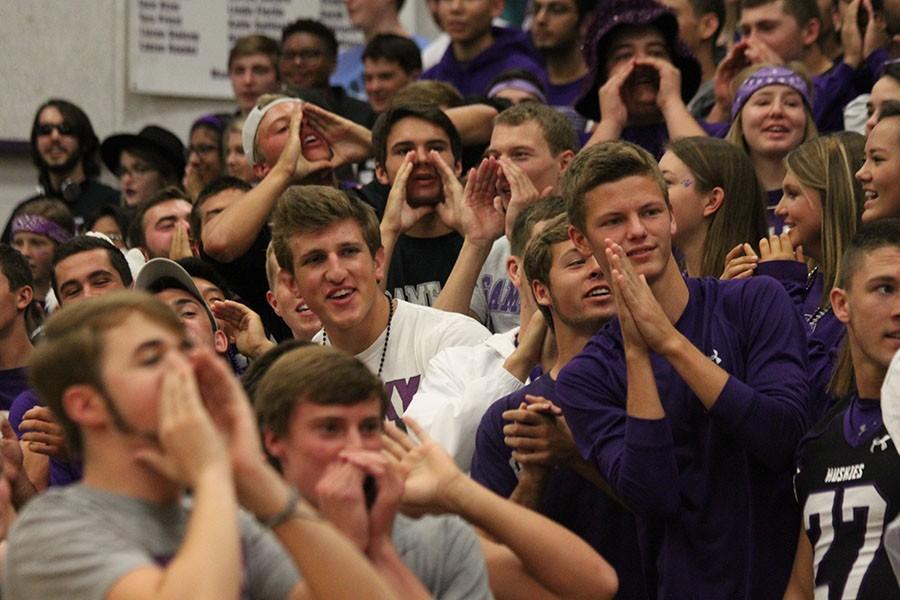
<point>76,49</point>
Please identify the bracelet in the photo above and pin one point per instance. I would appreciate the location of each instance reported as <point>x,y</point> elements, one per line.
<point>285,514</point>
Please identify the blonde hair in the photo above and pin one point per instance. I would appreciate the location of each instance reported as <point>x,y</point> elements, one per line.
<point>827,165</point>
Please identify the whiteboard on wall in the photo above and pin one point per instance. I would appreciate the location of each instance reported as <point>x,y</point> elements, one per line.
<point>180,47</point>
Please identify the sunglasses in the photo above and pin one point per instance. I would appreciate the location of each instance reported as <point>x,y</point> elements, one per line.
<point>62,128</point>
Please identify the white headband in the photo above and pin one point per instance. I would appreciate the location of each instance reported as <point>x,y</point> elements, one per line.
<point>251,124</point>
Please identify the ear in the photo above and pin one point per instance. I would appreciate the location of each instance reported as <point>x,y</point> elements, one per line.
<point>840,304</point>
<point>709,22</point>
<point>381,175</point>
<point>414,75</point>
<point>564,159</point>
<point>809,33</point>
<point>24,297</point>
<point>287,279</point>
<point>220,341</point>
<point>497,7</point>
<point>270,299</point>
<point>261,170</point>
<point>673,227</point>
<point>580,241</point>
<point>713,202</point>
<point>512,270</point>
<point>541,293</point>
<point>274,444</point>
<point>83,405</point>
<point>379,265</point>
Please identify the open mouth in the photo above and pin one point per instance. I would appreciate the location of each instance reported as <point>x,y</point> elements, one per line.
<point>341,295</point>
<point>776,129</point>
<point>599,291</point>
<point>302,308</point>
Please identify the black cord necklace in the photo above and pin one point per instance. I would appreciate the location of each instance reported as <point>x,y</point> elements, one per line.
<point>387,334</point>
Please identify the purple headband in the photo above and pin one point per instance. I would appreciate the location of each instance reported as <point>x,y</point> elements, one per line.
<point>777,75</point>
<point>523,85</point>
<point>40,226</point>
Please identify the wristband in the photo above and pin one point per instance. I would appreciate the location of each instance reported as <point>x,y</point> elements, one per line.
<point>285,514</point>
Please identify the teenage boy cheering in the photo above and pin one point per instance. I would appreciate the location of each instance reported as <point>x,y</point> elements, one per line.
<point>150,420</point>
<point>692,404</point>
<point>846,474</point>
<point>330,250</point>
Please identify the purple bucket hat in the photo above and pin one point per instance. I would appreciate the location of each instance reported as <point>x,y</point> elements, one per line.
<point>611,14</point>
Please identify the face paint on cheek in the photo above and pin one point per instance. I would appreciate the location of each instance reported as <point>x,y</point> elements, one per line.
<point>686,183</point>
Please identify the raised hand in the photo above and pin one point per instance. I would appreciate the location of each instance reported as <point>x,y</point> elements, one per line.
<point>876,34</point>
<point>13,465</point>
<point>431,475</point>
<point>635,300</point>
<point>779,247</point>
<point>399,217</point>
<point>450,210</point>
<point>181,243</point>
<point>42,433</point>
<point>243,327</point>
<point>669,93</point>
<point>612,107</point>
<point>740,262</point>
<point>350,142</point>
<point>341,501</point>
<point>734,62</point>
<point>292,161</point>
<point>189,445</point>
<point>389,485</point>
<point>480,219</point>
<point>522,192</point>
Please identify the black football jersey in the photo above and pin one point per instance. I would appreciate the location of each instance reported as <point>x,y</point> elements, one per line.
<point>849,495</point>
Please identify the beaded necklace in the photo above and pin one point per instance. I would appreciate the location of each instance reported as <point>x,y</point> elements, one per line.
<point>387,334</point>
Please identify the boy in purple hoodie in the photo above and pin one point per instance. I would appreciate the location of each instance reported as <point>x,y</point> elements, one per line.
<point>691,404</point>
<point>479,52</point>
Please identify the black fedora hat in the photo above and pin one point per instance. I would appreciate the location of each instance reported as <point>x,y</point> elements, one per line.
<point>153,137</point>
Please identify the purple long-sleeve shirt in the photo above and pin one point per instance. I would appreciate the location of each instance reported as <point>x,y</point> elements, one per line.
<point>568,498</point>
<point>510,50</point>
<point>61,472</point>
<point>712,489</point>
<point>824,331</point>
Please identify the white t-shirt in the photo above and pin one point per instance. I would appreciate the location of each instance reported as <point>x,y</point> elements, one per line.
<point>417,334</point>
<point>495,299</point>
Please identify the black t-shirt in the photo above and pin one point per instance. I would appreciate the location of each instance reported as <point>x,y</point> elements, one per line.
<point>848,487</point>
<point>246,275</point>
<point>420,267</point>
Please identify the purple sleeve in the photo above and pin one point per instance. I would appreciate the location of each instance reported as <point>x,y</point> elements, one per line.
<point>715,129</point>
<point>791,274</point>
<point>22,404</point>
<point>875,63</point>
<point>768,412</point>
<point>833,90</point>
<point>636,456</point>
<point>491,460</point>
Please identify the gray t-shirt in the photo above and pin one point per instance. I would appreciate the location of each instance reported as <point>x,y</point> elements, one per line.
<point>444,553</point>
<point>76,542</point>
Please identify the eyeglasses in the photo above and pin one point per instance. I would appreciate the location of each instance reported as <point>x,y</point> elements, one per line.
<point>200,149</point>
<point>303,55</point>
<point>63,128</point>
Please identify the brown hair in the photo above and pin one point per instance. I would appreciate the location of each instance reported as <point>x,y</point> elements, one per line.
<point>531,215</point>
<point>435,93</point>
<point>828,165</point>
<point>51,209</point>
<point>558,132</point>
<point>605,163</point>
<point>78,331</point>
<point>255,44</point>
<point>539,255</point>
<point>742,217</point>
<point>317,374</point>
<point>310,208</point>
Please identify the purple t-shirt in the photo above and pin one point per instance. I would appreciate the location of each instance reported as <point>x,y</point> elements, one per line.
<point>12,383</point>
<point>510,50</point>
<point>568,498</point>
<point>711,488</point>
<point>61,472</point>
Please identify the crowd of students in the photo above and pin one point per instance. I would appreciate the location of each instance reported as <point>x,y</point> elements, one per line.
<point>606,305</point>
